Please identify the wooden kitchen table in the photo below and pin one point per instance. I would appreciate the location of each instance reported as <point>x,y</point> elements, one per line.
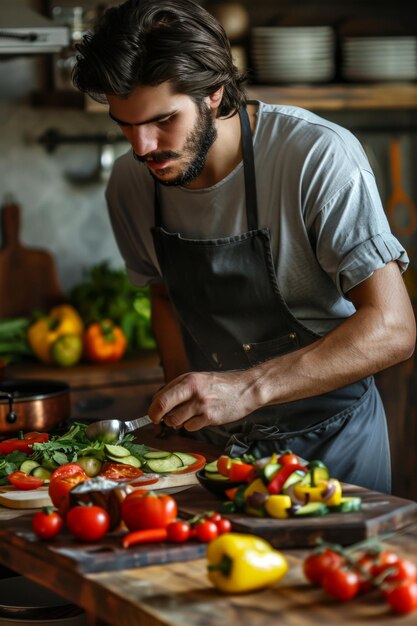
<point>180,594</point>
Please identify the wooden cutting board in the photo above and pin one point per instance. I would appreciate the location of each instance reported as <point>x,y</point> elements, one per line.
<point>380,514</point>
<point>12,498</point>
<point>28,277</point>
<point>32,499</point>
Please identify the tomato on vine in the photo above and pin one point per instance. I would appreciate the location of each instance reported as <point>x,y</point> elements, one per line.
<point>342,584</point>
<point>317,564</point>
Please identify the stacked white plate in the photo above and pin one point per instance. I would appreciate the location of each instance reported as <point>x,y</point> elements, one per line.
<point>379,58</point>
<point>293,54</point>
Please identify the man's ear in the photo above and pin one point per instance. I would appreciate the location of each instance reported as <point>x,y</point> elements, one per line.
<point>215,98</point>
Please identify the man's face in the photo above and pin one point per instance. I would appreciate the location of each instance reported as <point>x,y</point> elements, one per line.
<point>169,133</point>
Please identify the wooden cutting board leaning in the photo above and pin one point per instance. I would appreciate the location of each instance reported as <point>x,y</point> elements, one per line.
<point>28,277</point>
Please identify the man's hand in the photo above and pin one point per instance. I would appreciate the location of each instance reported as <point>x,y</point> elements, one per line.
<point>199,399</point>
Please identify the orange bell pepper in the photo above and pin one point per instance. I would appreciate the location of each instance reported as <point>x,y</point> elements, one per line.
<point>104,342</point>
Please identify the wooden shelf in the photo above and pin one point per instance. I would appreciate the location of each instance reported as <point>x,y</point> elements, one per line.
<point>386,96</point>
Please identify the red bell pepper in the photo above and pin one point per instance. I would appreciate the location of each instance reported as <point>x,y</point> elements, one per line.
<point>22,443</point>
<point>239,472</point>
<point>277,483</point>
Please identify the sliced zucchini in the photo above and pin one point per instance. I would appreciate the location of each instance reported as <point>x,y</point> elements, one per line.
<point>157,454</point>
<point>117,452</point>
<point>347,505</point>
<point>41,472</point>
<point>216,476</point>
<point>128,460</point>
<point>28,465</point>
<point>187,459</point>
<point>312,509</point>
<point>211,468</point>
<point>164,465</point>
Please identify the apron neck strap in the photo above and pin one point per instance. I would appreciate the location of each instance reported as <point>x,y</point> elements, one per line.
<point>249,173</point>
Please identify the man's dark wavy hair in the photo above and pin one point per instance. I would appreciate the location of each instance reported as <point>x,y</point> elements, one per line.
<point>148,42</point>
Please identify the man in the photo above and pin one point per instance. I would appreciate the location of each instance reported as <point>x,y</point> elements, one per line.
<point>276,282</point>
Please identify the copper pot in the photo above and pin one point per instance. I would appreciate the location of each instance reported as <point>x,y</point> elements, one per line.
<point>39,405</point>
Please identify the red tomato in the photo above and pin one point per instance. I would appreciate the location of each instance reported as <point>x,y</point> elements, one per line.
<point>61,484</point>
<point>383,560</point>
<point>224,463</point>
<point>364,571</point>
<point>342,584</point>
<point>317,564</point>
<point>88,523</point>
<point>400,571</point>
<point>24,481</point>
<point>402,598</point>
<point>288,458</point>
<point>46,524</point>
<point>120,472</point>
<point>178,531</point>
<point>141,510</point>
<point>223,526</point>
<point>68,469</point>
<point>206,531</point>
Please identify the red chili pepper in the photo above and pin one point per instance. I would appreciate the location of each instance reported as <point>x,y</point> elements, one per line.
<point>276,484</point>
<point>149,535</point>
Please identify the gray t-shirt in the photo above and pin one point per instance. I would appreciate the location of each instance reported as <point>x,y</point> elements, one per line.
<point>316,193</point>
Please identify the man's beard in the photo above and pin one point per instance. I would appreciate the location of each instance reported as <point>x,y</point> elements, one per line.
<point>197,145</point>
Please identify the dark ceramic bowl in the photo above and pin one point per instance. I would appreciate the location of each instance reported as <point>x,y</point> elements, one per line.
<point>216,487</point>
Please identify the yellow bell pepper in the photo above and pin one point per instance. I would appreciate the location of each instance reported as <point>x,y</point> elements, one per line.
<point>327,491</point>
<point>239,563</point>
<point>42,334</point>
<point>277,506</point>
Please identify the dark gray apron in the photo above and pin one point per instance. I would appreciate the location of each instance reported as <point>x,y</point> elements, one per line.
<point>233,316</point>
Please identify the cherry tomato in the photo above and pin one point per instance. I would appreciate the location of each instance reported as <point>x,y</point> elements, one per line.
<point>24,481</point>
<point>364,571</point>
<point>317,564</point>
<point>206,531</point>
<point>402,570</point>
<point>88,523</point>
<point>383,560</point>
<point>120,471</point>
<point>288,458</point>
<point>141,510</point>
<point>63,479</point>
<point>47,523</point>
<point>402,598</point>
<point>342,584</point>
<point>223,526</point>
<point>224,463</point>
<point>178,531</point>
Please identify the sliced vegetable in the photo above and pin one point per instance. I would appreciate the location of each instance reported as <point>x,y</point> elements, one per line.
<point>23,481</point>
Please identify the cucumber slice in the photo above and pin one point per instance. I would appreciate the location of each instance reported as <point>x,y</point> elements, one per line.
<point>164,465</point>
<point>28,465</point>
<point>312,509</point>
<point>41,472</point>
<point>187,459</point>
<point>157,454</point>
<point>117,452</point>
<point>347,505</point>
<point>211,468</point>
<point>129,460</point>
